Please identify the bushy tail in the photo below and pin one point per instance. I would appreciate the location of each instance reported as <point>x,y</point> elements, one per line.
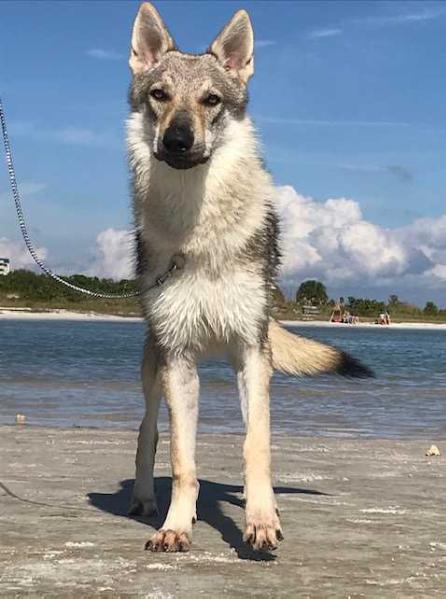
<point>300,356</point>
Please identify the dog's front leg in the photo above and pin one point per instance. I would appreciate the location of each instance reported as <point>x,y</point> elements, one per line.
<point>263,528</point>
<point>143,501</point>
<point>179,380</point>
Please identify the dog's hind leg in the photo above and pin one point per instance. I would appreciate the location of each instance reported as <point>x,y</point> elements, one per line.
<point>180,385</point>
<point>263,529</point>
<point>143,499</point>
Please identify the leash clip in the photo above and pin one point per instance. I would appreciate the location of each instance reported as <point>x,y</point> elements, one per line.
<point>177,263</point>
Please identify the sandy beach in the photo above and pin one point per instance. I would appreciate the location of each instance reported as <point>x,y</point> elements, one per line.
<point>433,326</point>
<point>27,314</point>
<point>361,519</point>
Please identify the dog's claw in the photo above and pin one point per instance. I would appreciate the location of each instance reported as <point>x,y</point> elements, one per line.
<point>262,536</point>
<point>168,541</point>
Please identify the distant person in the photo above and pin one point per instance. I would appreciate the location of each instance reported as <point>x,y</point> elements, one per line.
<point>336,315</point>
<point>384,318</point>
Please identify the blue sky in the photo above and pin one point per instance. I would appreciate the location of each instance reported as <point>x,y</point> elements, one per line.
<point>349,99</point>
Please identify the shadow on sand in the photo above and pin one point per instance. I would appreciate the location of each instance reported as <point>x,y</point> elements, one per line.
<point>209,510</point>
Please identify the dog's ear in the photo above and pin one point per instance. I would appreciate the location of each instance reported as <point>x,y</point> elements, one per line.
<point>150,39</point>
<point>234,46</point>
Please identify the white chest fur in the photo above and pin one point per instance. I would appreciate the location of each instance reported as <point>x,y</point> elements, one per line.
<point>194,310</point>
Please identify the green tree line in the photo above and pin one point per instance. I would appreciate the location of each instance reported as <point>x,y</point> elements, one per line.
<point>27,288</point>
<point>23,288</point>
<point>32,286</point>
<point>314,293</point>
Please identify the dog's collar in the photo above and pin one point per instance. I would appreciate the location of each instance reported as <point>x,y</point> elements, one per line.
<point>177,263</point>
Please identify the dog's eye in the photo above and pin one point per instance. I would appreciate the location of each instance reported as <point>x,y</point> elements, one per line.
<point>159,95</point>
<point>211,100</point>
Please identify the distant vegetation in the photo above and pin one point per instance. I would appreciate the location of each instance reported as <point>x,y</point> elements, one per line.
<point>23,288</point>
<point>314,293</point>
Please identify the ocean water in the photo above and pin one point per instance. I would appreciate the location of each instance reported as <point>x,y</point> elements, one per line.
<point>66,373</point>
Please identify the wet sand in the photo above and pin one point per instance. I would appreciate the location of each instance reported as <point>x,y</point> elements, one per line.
<point>361,518</point>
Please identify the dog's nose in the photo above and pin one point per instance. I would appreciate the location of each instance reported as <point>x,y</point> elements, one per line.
<point>178,138</point>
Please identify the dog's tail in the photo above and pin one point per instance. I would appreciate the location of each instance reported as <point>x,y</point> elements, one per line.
<point>300,356</point>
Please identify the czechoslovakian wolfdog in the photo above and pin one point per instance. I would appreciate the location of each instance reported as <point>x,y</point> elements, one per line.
<point>204,201</point>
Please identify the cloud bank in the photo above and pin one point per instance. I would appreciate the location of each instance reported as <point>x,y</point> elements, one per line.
<point>329,240</point>
<point>332,241</point>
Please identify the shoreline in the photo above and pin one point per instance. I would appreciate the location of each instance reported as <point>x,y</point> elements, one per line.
<point>320,437</point>
<point>62,314</point>
<point>7,313</point>
<point>435,326</point>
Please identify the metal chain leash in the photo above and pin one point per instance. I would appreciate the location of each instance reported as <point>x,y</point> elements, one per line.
<point>22,224</point>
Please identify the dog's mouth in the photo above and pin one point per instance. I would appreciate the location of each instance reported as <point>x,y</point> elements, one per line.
<point>182,160</point>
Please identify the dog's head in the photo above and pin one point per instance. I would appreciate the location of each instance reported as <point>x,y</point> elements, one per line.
<point>187,100</point>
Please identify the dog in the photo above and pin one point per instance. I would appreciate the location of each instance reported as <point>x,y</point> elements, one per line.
<point>204,213</point>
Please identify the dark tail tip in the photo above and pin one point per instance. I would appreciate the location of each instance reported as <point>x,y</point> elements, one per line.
<point>353,368</point>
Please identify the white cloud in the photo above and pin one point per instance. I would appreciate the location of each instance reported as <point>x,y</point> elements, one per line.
<point>427,14</point>
<point>114,257</point>
<point>379,21</point>
<point>332,241</point>
<point>325,32</point>
<point>17,252</point>
<point>102,54</point>
<point>27,188</point>
<point>70,135</point>
<point>258,44</point>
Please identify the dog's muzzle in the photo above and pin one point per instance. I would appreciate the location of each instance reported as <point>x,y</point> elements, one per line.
<point>178,148</point>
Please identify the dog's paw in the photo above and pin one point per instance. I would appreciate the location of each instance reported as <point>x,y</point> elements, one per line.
<point>169,541</point>
<point>146,508</point>
<point>263,534</point>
